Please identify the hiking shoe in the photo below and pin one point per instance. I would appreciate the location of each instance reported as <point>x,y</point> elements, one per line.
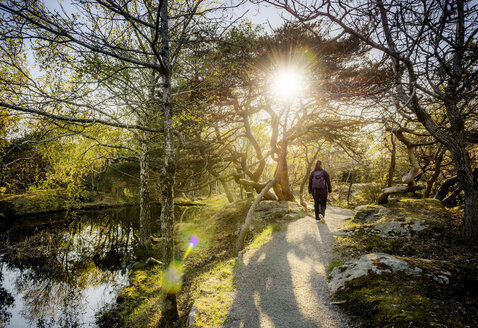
<point>321,218</point>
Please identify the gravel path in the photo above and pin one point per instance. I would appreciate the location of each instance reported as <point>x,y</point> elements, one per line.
<point>283,283</point>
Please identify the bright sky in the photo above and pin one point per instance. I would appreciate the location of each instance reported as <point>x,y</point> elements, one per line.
<point>263,14</point>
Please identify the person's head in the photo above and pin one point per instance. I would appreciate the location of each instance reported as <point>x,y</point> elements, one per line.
<point>318,166</point>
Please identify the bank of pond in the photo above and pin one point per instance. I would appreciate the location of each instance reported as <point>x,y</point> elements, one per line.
<point>61,269</point>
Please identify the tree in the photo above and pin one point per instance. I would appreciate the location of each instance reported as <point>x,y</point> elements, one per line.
<point>431,48</point>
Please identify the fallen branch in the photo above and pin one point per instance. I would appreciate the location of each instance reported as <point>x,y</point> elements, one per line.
<point>382,199</point>
<point>250,213</point>
<point>258,187</point>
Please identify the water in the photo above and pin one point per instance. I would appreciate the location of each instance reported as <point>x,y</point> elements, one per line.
<point>60,270</point>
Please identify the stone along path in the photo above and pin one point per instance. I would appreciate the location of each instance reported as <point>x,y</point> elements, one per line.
<point>283,283</point>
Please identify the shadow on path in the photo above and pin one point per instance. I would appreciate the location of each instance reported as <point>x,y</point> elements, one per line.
<point>283,283</point>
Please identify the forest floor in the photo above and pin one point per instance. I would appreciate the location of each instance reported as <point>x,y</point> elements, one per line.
<point>284,282</point>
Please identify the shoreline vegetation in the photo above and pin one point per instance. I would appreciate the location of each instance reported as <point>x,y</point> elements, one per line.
<point>42,202</point>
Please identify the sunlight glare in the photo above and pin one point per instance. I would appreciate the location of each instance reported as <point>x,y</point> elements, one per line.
<point>287,84</point>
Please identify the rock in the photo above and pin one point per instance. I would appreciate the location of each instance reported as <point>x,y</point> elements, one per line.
<point>192,316</point>
<point>269,210</point>
<point>290,216</point>
<point>394,228</point>
<point>390,228</point>
<point>368,213</point>
<point>377,263</point>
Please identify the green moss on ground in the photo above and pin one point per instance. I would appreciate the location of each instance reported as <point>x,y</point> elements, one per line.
<point>444,295</point>
<point>214,291</point>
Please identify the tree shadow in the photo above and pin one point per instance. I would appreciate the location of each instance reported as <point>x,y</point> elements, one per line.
<point>274,293</point>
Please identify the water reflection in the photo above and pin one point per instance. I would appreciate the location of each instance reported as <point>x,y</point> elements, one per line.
<point>61,269</point>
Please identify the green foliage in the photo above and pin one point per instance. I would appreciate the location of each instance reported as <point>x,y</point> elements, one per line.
<point>368,194</point>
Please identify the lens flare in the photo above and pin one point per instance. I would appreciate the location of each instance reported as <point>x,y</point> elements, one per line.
<point>193,242</point>
<point>173,277</point>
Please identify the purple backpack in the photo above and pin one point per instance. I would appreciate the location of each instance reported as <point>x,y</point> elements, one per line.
<point>318,179</point>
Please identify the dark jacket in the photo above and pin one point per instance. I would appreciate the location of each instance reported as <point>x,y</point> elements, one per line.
<point>328,186</point>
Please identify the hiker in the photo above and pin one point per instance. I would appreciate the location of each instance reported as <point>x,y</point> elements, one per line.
<point>319,185</point>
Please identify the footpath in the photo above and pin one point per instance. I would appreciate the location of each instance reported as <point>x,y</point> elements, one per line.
<point>283,284</point>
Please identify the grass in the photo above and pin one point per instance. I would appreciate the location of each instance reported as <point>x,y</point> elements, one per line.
<point>335,263</point>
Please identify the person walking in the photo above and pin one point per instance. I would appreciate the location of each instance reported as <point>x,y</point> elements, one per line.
<point>319,187</point>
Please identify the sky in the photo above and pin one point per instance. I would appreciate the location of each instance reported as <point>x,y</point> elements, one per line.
<point>263,14</point>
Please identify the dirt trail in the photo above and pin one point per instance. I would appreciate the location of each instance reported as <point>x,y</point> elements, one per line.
<point>283,283</point>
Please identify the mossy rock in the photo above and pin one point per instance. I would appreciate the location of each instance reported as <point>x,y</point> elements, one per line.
<point>369,213</point>
<point>417,293</point>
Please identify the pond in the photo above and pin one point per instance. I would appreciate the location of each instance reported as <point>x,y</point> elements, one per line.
<point>59,270</point>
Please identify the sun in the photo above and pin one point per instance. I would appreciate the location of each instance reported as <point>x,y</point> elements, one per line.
<point>287,84</point>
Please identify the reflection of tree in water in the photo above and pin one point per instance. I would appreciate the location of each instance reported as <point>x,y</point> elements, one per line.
<point>6,300</point>
<point>59,259</point>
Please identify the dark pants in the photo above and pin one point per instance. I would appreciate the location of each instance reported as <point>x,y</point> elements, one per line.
<point>320,202</point>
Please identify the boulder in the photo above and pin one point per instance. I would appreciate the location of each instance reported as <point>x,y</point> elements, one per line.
<point>377,263</point>
<point>394,228</point>
<point>272,210</point>
<point>369,213</point>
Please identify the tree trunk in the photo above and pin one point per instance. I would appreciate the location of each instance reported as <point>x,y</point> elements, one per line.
<point>408,178</point>
<point>450,200</point>
<point>393,158</point>
<point>467,180</point>
<point>436,172</point>
<point>257,187</point>
<point>349,190</point>
<point>445,186</point>
<point>470,230</point>
<point>144,197</point>
<point>383,197</point>
<point>230,198</point>
<point>282,186</point>
<point>169,307</point>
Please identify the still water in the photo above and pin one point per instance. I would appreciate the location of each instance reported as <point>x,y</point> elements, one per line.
<point>60,270</point>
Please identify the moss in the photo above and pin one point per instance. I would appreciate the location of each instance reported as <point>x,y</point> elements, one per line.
<point>335,263</point>
<point>443,295</point>
<point>214,290</point>
<point>386,301</point>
